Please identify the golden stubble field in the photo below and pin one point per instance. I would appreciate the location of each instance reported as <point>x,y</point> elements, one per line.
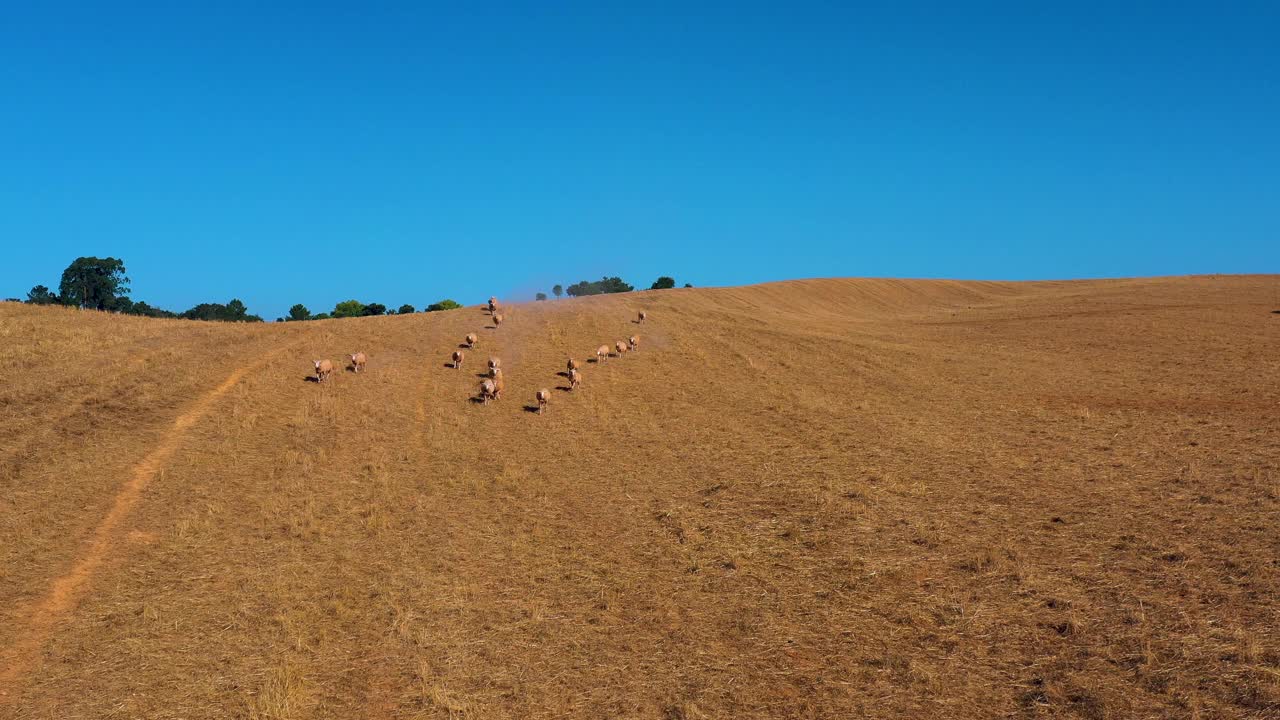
<point>811,499</point>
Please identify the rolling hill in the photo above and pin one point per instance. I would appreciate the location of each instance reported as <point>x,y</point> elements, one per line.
<point>809,499</point>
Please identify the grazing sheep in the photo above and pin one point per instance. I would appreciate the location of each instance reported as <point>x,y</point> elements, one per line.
<point>472,340</point>
<point>357,361</point>
<point>602,353</point>
<point>642,316</point>
<point>621,347</point>
<point>488,391</point>
<point>323,368</point>
<point>544,396</point>
<point>575,378</point>
<point>573,364</point>
<point>457,359</point>
<point>497,319</point>
<point>633,341</point>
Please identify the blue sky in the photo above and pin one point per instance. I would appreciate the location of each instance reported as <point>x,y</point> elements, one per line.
<point>313,152</point>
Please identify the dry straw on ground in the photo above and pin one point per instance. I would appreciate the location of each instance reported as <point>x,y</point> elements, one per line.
<point>820,499</point>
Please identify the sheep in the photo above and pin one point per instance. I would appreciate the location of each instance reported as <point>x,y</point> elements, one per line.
<point>621,347</point>
<point>488,391</point>
<point>499,384</point>
<point>323,368</point>
<point>494,366</point>
<point>633,341</point>
<point>497,319</point>
<point>495,372</point>
<point>602,353</point>
<point>544,396</point>
<point>575,378</point>
<point>472,340</point>
<point>357,361</point>
<point>493,305</point>
<point>457,359</point>
<point>573,365</point>
<point>642,316</point>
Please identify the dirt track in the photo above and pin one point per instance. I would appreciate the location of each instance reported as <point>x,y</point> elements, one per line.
<point>812,499</point>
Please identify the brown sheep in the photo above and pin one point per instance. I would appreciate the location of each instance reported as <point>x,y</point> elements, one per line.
<point>602,353</point>
<point>575,378</point>
<point>497,319</point>
<point>573,364</point>
<point>357,361</point>
<point>472,340</point>
<point>499,384</point>
<point>494,363</point>
<point>457,359</point>
<point>488,391</point>
<point>621,347</point>
<point>323,368</point>
<point>634,341</point>
<point>642,316</point>
<point>544,396</point>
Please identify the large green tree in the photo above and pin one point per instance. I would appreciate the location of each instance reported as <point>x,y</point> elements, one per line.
<point>374,309</point>
<point>94,283</point>
<point>299,312</point>
<point>663,283</point>
<point>557,291</point>
<point>348,308</point>
<point>599,287</point>
<point>405,309</point>
<point>443,305</point>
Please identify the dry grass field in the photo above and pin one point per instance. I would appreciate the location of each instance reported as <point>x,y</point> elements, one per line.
<point>811,499</point>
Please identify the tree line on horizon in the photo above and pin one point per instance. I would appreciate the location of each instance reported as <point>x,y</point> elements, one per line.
<point>93,283</point>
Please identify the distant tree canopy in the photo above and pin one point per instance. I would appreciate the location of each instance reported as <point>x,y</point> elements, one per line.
<point>321,316</point>
<point>443,305</point>
<point>41,295</point>
<point>406,309</point>
<point>93,283</point>
<point>375,309</point>
<point>557,291</point>
<point>663,283</point>
<point>348,308</point>
<point>100,284</point>
<point>233,311</point>
<point>540,296</point>
<point>600,287</point>
<point>688,284</point>
<point>298,313</point>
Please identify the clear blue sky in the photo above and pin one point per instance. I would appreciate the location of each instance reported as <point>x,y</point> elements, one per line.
<point>318,151</point>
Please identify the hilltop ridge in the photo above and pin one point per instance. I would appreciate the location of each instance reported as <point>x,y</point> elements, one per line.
<point>813,498</point>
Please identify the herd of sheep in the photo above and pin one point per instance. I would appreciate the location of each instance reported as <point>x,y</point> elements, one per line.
<point>492,386</point>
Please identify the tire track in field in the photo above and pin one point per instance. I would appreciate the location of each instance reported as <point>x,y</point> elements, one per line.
<point>67,590</point>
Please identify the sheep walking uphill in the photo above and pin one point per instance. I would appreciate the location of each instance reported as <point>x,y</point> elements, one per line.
<point>544,396</point>
<point>572,365</point>
<point>497,319</point>
<point>457,359</point>
<point>634,341</point>
<point>488,391</point>
<point>575,379</point>
<point>621,347</point>
<point>357,361</point>
<point>323,368</point>
<point>602,353</point>
<point>642,316</point>
<point>472,340</point>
